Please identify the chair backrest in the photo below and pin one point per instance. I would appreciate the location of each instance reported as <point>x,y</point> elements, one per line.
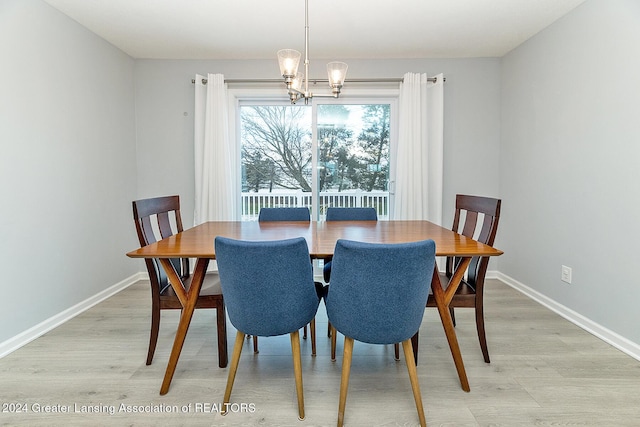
<point>483,212</point>
<point>158,211</point>
<point>378,291</point>
<point>284,214</point>
<point>351,214</point>
<point>268,286</point>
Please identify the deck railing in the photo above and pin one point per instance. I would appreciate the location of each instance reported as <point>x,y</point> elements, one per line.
<point>252,202</point>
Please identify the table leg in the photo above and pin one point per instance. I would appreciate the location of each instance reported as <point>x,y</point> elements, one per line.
<point>189,305</point>
<point>447,324</point>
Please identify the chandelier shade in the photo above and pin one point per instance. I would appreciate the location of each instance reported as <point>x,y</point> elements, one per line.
<point>337,72</point>
<point>289,60</point>
<point>296,84</point>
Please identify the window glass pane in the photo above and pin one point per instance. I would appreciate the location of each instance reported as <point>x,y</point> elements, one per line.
<point>353,156</point>
<point>352,169</point>
<point>276,157</point>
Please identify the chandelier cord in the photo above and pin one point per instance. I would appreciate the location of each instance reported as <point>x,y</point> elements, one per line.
<point>306,48</point>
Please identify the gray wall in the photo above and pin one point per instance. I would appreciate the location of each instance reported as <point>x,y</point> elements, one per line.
<point>165,103</point>
<point>570,163</point>
<point>551,128</point>
<point>67,164</point>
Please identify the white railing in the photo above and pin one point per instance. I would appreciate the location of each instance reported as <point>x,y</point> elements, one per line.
<point>252,202</point>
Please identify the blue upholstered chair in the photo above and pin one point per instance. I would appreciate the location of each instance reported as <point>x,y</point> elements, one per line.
<point>288,214</point>
<point>377,295</point>
<point>284,214</point>
<point>269,290</point>
<point>351,214</point>
<point>347,214</point>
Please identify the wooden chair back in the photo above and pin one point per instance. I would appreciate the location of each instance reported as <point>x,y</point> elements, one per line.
<point>481,216</point>
<point>153,220</point>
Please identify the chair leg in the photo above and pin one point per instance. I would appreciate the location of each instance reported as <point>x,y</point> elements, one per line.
<point>153,336</point>
<point>221,320</point>
<point>344,379</point>
<point>414,343</point>
<point>235,359</point>
<point>333,343</point>
<point>304,332</point>
<point>481,333</point>
<point>329,329</point>
<point>453,316</point>
<point>297,371</point>
<point>312,326</point>
<point>413,377</point>
<point>255,345</point>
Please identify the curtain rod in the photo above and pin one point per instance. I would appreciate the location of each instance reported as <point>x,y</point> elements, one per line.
<point>314,81</point>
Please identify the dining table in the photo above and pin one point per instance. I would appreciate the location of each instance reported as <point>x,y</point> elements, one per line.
<point>321,236</point>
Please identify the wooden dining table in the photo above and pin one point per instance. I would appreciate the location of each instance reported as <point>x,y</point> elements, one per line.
<point>321,237</point>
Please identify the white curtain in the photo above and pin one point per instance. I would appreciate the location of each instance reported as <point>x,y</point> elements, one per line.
<point>214,159</point>
<point>419,156</point>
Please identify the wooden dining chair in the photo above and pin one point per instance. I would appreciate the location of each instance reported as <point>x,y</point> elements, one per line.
<point>153,219</point>
<point>270,291</point>
<point>481,216</point>
<point>288,214</point>
<point>377,295</point>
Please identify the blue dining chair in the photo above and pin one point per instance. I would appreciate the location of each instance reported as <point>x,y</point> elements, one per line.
<point>269,290</point>
<point>377,295</point>
<point>351,214</point>
<point>347,214</point>
<point>288,214</point>
<point>284,214</point>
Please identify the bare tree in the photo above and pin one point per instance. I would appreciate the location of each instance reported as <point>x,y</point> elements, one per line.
<point>280,137</point>
<point>257,172</point>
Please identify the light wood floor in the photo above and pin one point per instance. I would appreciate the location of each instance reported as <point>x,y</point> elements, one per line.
<point>544,371</point>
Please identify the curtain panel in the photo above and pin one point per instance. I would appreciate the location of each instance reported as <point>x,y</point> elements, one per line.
<point>215,168</point>
<point>419,156</point>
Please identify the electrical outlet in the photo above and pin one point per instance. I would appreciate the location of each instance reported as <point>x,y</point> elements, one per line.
<point>565,276</point>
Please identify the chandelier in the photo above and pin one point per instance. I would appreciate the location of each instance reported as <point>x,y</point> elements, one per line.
<point>298,83</point>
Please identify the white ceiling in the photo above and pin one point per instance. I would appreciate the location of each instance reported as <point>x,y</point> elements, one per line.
<point>338,29</point>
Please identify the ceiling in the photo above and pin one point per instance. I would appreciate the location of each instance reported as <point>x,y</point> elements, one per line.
<point>338,29</point>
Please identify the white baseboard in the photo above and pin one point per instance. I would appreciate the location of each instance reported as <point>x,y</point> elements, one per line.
<point>491,274</point>
<point>14,343</point>
<point>621,343</point>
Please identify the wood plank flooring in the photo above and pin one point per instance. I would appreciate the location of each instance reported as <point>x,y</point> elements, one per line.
<point>544,371</point>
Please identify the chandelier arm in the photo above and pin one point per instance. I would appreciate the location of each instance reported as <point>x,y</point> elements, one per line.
<point>324,95</point>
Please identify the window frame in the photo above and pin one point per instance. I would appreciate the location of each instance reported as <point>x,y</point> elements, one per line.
<point>242,96</point>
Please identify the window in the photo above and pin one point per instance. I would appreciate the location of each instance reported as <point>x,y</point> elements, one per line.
<point>353,156</point>
<point>318,155</point>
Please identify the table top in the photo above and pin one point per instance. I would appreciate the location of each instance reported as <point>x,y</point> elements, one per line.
<point>321,237</point>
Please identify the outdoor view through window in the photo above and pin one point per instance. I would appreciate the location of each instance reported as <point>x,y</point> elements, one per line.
<point>351,162</point>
